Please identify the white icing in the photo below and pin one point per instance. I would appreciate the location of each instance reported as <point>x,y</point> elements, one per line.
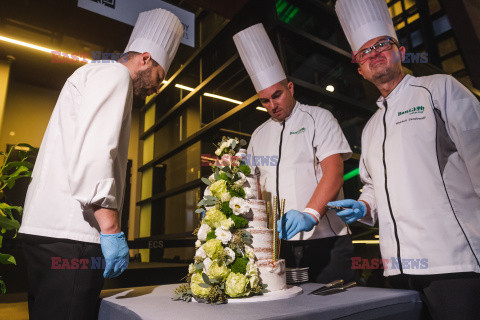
<point>273,274</point>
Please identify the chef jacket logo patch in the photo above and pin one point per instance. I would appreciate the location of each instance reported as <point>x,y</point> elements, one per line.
<point>413,110</point>
<point>298,132</point>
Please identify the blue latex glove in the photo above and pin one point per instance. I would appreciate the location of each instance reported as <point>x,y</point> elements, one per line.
<point>357,210</point>
<point>115,251</point>
<point>293,222</point>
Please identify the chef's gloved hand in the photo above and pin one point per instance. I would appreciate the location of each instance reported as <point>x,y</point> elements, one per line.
<point>294,221</point>
<point>357,210</point>
<point>115,251</point>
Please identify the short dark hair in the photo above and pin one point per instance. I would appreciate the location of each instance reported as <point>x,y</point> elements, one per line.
<point>131,54</point>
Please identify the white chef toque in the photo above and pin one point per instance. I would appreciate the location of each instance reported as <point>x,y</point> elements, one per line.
<point>259,57</point>
<point>157,32</point>
<point>363,20</point>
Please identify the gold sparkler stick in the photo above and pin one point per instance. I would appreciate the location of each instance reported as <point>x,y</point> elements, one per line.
<point>275,204</point>
<point>282,211</point>
<point>269,216</point>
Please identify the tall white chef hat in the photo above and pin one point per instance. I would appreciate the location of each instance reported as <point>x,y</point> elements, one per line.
<point>259,57</point>
<point>363,20</point>
<point>157,32</point>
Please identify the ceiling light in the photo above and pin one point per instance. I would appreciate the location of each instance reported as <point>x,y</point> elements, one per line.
<point>377,236</point>
<point>12,133</point>
<point>261,109</point>
<point>222,98</point>
<point>181,86</point>
<point>46,50</point>
<point>366,241</point>
<point>330,88</point>
<point>164,81</point>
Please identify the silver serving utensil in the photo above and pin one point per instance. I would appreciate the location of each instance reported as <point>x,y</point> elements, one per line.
<point>336,290</point>
<point>328,286</point>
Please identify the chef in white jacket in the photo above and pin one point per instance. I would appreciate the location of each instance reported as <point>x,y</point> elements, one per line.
<point>74,202</point>
<point>299,153</point>
<point>420,165</point>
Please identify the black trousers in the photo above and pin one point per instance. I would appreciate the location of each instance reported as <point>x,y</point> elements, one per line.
<point>65,278</point>
<point>446,296</point>
<point>328,259</point>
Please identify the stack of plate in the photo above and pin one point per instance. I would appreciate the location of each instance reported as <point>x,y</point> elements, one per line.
<point>296,275</point>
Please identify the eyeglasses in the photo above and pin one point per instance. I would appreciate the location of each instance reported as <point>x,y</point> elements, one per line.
<point>380,46</point>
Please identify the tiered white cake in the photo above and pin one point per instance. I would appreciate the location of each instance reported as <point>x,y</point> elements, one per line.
<point>272,273</point>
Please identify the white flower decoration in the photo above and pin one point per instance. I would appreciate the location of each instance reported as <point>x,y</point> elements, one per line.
<point>249,253</point>
<point>198,243</point>
<point>203,231</point>
<point>242,179</point>
<point>223,234</point>
<point>191,268</point>
<point>207,192</point>
<point>200,254</point>
<point>206,264</point>
<point>224,197</point>
<point>239,206</point>
<point>230,255</point>
<point>227,224</point>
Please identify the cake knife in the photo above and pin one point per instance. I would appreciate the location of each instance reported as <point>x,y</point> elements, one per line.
<point>337,290</point>
<point>328,286</point>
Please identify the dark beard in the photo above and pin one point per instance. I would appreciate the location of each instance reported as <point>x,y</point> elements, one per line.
<point>142,84</point>
<point>386,75</point>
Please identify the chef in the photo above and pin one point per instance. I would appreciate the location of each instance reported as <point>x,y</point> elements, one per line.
<point>74,202</point>
<point>299,153</point>
<point>420,165</point>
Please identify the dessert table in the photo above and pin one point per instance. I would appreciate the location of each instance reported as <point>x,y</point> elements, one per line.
<point>155,302</point>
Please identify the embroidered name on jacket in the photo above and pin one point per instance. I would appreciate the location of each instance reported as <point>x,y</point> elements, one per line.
<point>298,132</point>
<point>413,110</point>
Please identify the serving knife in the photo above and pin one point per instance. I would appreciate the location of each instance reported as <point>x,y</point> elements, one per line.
<point>336,289</point>
<point>328,286</point>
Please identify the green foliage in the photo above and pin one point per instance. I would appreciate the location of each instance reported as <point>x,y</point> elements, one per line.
<point>211,235</point>
<point>240,222</point>
<point>10,172</point>
<point>237,191</point>
<point>245,169</point>
<point>226,209</point>
<point>239,265</point>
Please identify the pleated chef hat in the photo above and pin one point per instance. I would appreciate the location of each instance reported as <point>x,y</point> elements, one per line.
<point>363,20</point>
<point>157,32</point>
<point>259,57</point>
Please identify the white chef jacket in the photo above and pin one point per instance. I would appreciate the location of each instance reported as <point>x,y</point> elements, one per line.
<point>83,156</point>
<point>420,165</point>
<point>288,154</point>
